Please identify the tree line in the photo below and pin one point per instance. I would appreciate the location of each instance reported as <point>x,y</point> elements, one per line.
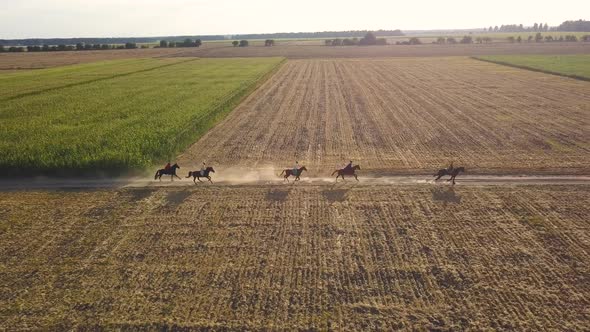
<point>186,43</point>
<point>568,26</point>
<point>177,39</point>
<point>370,38</point>
<point>63,47</point>
<point>538,38</point>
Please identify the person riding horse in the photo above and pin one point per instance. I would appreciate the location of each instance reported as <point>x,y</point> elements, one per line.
<point>348,167</point>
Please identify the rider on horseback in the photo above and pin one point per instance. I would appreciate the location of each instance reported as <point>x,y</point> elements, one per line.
<point>296,168</point>
<point>203,168</point>
<point>167,167</point>
<point>348,167</point>
<point>450,168</point>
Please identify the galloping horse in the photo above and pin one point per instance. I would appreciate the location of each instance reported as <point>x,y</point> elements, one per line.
<point>296,174</point>
<point>197,174</point>
<point>453,173</point>
<point>347,171</point>
<point>171,172</point>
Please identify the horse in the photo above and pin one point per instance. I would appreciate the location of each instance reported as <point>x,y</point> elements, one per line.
<point>197,174</point>
<point>347,171</point>
<point>171,172</point>
<point>453,173</point>
<point>296,174</point>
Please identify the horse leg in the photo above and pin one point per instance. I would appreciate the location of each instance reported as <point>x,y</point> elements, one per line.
<point>195,180</point>
<point>177,177</point>
<point>356,177</point>
<point>209,179</point>
<point>199,178</point>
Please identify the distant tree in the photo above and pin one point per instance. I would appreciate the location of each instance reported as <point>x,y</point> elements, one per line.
<point>519,39</point>
<point>2,49</point>
<point>560,38</point>
<point>487,40</point>
<point>145,46</point>
<point>529,39</point>
<point>511,39</point>
<point>579,25</point>
<point>381,41</point>
<point>467,40</point>
<point>571,38</point>
<point>96,46</point>
<point>440,40</point>
<point>521,28</point>
<point>61,47</point>
<point>548,38</point>
<point>105,46</point>
<point>479,40</point>
<point>120,47</point>
<point>269,42</point>
<point>586,38</point>
<point>546,28</point>
<point>490,29</point>
<point>368,39</point>
<point>243,43</point>
<point>130,45</point>
<point>337,42</point>
<point>79,47</point>
<point>414,41</point>
<point>451,40</point>
<point>16,49</point>
<point>235,43</point>
<point>163,43</point>
<point>485,29</point>
<point>172,44</point>
<point>198,43</point>
<point>328,42</point>
<point>538,37</point>
<point>535,27</point>
<point>30,49</point>
<point>348,42</point>
<point>87,47</point>
<point>45,48</point>
<point>496,28</point>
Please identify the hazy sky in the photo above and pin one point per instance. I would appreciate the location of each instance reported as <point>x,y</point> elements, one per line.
<point>121,18</point>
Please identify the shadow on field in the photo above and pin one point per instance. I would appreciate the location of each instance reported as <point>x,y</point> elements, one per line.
<point>277,195</point>
<point>176,198</point>
<point>335,195</point>
<point>446,195</point>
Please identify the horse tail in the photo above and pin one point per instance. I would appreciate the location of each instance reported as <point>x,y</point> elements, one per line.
<point>190,174</point>
<point>282,173</point>
<point>156,176</point>
<point>334,172</point>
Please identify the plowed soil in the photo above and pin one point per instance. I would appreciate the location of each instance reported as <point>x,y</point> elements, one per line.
<point>309,257</point>
<point>406,115</point>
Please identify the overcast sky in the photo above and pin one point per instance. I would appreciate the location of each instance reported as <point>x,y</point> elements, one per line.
<point>123,18</point>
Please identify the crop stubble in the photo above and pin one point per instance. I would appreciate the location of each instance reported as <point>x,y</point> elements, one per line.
<point>252,257</point>
<point>407,116</point>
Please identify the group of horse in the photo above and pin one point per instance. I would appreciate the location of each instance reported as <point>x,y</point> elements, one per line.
<point>286,173</point>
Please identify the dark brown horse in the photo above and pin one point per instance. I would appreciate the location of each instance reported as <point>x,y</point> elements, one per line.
<point>171,172</point>
<point>197,174</point>
<point>296,174</point>
<point>347,171</point>
<point>453,173</point>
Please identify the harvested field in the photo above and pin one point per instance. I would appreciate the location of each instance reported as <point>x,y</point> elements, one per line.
<point>406,115</point>
<point>426,50</point>
<point>298,257</point>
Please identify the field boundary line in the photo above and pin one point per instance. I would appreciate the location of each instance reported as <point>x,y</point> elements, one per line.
<point>33,93</point>
<point>544,71</point>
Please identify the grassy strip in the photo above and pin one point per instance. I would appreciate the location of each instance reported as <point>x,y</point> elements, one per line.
<point>126,123</point>
<point>524,62</point>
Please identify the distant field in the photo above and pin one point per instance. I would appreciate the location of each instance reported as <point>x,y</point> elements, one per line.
<point>116,115</point>
<point>567,65</point>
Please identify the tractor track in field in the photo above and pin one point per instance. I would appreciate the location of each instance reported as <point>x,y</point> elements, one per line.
<point>262,179</point>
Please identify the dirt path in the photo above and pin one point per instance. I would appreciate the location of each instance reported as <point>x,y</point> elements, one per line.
<point>265,178</point>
